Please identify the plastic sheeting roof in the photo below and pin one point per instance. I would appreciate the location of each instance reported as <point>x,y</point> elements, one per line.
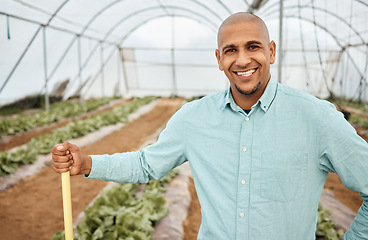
<point>167,47</point>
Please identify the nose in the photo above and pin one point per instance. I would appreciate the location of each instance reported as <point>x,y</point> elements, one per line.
<point>243,59</point>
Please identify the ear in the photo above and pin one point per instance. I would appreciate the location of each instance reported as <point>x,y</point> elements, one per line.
<point>217,52</point>
<point>272,47</point>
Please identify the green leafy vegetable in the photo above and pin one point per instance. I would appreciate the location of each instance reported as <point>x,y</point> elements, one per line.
<point>326,227</point>
<point>119,214</point>
<point>23,123</point>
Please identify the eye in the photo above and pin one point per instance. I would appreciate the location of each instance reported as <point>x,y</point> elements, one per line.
<point>230,50</point>
<point>253,47</point>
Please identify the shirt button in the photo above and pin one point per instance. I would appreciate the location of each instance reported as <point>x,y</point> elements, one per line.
<point>241,214</point>
<point>245,149</point>
<point>243,181</point>
<point>247,119</point>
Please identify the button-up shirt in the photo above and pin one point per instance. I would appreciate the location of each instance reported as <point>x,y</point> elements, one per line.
<point>258,175</point>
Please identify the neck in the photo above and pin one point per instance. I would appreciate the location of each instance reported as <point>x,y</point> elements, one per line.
<point>246,101</point>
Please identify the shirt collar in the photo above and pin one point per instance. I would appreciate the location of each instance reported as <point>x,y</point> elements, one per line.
<point>264,101</point>
<point>268,96</point>
<point>229,101</point>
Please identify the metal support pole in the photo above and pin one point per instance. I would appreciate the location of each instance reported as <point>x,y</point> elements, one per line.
<point>125,75</point>
<point>47,103</point>
<point>80,69</point>
<point>280,40</point>
<point>102,70</point>
<point>118,72</point>
<point>174,90</point>
<point>7,26</point>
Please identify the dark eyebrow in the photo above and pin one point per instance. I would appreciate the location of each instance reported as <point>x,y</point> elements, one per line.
<point>254,42</point>
<point>228,46</point>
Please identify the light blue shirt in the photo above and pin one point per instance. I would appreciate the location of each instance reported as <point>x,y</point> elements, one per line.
<point>258,175</point>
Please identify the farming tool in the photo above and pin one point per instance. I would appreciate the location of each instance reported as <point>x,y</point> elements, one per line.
<point>67,205</point>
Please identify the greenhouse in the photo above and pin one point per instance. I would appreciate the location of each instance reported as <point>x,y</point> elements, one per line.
<point>106,73</point>
<point>167,47</point>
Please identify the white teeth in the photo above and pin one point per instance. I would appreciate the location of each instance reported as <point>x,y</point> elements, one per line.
<point>247,73</point>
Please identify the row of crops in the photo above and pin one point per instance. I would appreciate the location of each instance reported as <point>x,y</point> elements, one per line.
<point>10,161</point>
<point>25,122</point>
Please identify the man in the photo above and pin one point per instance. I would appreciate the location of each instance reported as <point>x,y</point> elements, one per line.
<point>259,151</point>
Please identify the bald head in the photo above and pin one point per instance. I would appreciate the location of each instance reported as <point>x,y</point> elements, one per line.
<point>243,17</point>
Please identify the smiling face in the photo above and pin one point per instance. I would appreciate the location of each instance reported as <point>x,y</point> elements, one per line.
<point>244,54</point>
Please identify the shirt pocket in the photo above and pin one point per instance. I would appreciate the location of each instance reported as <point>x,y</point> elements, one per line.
<point>283,175</point>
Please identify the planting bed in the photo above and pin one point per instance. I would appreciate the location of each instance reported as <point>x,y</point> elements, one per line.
<point>32,209</point>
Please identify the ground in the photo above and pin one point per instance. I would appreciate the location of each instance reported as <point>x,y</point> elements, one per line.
<point>33,208</point>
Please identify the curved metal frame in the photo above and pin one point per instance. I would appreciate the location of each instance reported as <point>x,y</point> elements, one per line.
<point>276,4</point>
<point>119,1</point>
<point>331,14</point>
<point>57,10</point>
<point>343,47</point>
<point>145,21</point>
<point>141,24</point>
<point>125,36</point>
<point>89,23</point>
<point>202,20</point>
<point>95,16</point>
<point>132,30</point>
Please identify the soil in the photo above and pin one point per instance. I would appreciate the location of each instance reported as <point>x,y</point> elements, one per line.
<point>32,209</point>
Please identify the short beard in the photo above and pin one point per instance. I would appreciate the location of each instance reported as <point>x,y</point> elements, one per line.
<point>248,92</point>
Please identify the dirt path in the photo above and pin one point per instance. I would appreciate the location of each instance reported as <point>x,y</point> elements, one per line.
<point>193,221</point>
<point>32,209</point>
<point>349,198</point>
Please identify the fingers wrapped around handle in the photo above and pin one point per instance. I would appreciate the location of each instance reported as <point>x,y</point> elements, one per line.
<point>62,160</point>
<point>67,157</point>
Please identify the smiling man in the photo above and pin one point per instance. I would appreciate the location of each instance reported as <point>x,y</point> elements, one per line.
<point>259,151</point>
<point>245,53</point>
